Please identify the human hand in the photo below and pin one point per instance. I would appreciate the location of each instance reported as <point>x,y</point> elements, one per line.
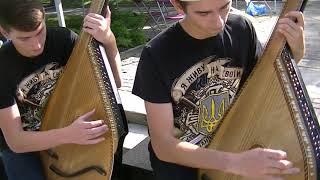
<point>262,164</point>
<point>98,26</point>
<point>85,131</point>
<point>292,28</point>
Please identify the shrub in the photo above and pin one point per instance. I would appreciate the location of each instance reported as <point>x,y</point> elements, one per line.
<point>126,25</point>
<point>128,28</point>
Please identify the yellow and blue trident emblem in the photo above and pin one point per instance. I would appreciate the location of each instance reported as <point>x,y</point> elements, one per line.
<point>211,112</point>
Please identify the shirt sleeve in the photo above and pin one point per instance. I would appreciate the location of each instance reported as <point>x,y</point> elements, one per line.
<point>256,49</point>
<point>7,98</point>
<point>257,46</point>
<point>73,37</point>
<point>70,42</point>
<point>66,44</point>
<point>149,81</point>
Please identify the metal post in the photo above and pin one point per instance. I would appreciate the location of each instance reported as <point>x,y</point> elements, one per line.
<point>59,10</point>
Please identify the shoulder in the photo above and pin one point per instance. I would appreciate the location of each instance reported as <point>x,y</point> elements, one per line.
<point>165,40</point>
<point>7,61</point>
<point>156,51</point>
<point>6,47</point>
<point>61,39</point>
<point>239,21</point>
<point>6,51</point>
<point>61,32</point>
<point>240,27</point>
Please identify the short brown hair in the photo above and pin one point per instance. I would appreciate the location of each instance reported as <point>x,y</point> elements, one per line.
<point>22,15</point>
<point>183,4</point>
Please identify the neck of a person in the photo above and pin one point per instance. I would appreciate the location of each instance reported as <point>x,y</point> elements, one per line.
<point>195,32</point>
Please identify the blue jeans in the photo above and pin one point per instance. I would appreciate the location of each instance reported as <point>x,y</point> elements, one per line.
<point>22,166</point>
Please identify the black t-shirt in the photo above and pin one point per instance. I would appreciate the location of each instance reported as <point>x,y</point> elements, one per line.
<point>28,82</point>
<point>199,77</point>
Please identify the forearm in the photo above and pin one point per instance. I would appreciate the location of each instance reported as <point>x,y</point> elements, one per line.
<point>187,154</point>
<point>29,141</point>
<point>114,59</point>
<point>168,148</point>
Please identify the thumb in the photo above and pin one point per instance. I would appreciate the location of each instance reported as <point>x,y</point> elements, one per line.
<point>297,17</point>
<point>108,12</point>
<point>86,116</point>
